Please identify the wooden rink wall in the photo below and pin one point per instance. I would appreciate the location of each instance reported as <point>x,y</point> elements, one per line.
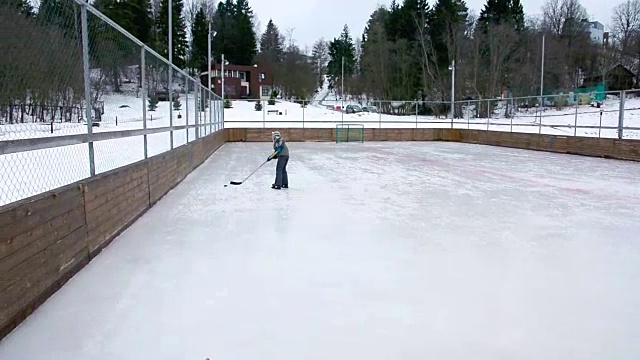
<point>608,148</point>
<point>46,239</point>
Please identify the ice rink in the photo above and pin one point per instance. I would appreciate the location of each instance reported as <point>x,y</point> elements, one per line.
<point>378,251</point>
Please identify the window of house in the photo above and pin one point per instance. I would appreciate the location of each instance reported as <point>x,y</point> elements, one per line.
<point>263,76</point>
<point>265,91</point>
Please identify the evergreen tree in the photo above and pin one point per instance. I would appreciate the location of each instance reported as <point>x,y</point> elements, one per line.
<point>271,45</point>
<point>339,49</point>
<point>223,25</point>
<point>142,28</point>
<point>445,22</point>
<point>199,38</point>
<point>244,38</point>
<point>62,15</point>
<point>153,102</point>
<point>179,34</point>
<point>502,12</point>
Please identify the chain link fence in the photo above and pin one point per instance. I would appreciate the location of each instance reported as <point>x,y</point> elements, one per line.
<point>79,96</point>
<point>575,114</point>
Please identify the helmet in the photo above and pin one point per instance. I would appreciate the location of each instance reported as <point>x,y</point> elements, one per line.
<point>275,135</point>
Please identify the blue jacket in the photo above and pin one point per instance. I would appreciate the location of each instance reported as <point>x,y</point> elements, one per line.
<point>279,149</point>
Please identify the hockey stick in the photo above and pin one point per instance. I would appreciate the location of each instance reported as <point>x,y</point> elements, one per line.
<point>254,171</point>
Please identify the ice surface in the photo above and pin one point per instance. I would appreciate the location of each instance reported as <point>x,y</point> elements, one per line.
<point>378,251</point>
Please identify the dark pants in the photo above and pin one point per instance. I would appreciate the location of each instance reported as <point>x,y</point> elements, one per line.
<point>281,171</point>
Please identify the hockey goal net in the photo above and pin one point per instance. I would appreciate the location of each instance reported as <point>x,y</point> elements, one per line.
<point>349,133</point>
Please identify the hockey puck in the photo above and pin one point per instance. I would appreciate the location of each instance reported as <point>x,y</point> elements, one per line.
<point>225,185</point>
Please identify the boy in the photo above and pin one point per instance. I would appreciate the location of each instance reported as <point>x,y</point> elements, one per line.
<point>281,152</point>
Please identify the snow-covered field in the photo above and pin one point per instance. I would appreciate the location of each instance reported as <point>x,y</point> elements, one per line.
<point>486,253</point>
<point>29,173</point>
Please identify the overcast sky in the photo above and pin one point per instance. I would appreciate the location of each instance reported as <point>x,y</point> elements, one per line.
<point>313,19</point>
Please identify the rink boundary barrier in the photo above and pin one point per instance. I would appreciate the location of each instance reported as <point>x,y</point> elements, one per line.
<point>47,238</point>
<point>611,148</point>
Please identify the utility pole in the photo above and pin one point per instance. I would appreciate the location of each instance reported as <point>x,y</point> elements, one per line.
<point>222,91</point>
<point>542,78</point>
<point>209,56</point>
<point>170,73</point>
<point>342,90</point>
<point>453,90</point>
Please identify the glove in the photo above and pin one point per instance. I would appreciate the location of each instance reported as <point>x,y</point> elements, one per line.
<point>269,158</point>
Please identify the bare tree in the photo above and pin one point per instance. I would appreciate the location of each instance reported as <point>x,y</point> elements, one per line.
<point>563,17</point>
<point>625,23</point>
<point>320,59</point>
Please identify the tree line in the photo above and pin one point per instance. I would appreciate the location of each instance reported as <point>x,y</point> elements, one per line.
<point>404,53</point>
<point>41,75</point>
<point>407,50</point>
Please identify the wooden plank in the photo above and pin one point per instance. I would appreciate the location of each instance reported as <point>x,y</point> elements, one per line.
<point>102,228</point>
<point>79,261</point>
<point>105,212</point>
<point>27,269</point>
<point>163,175</point>
<point>197,154</point>
<point>115,193</point>
<point>626,149</point>
<point>31,278</point>
<point>27,216</point>
<point>28,244</point>
<point>95,188</point>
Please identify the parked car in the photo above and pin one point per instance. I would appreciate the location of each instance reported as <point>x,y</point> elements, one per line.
<point>352,109</point>
<point>371,109</point>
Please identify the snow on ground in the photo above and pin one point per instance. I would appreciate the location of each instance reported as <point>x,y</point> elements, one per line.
<point>29,173</point>
<point>377,251</point>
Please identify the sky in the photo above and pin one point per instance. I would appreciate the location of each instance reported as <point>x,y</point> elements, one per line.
<point>311,20</point>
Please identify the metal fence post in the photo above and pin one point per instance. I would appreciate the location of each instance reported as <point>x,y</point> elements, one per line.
<point>170,101</point>
<point>600,126</point>
<point>87,86</point>
<point>540,124</point>
<point>210,111</point>
<point>143,84</point>
<point>303,106</point>
<point>417,114</point>
<point>623,95</point>
<point>575,123</point>
<point>379,114</point>
<point>186,105</point>
<point>214,106</point>
<point>196,108</point>
<point>207,116</point>
<point>488,114</point>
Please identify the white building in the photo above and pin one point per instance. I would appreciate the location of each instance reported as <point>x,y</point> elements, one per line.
<point>596,31</point>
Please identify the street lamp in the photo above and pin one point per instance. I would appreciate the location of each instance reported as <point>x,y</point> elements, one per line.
<point>224,62</point>
<point>452,67</point>
<point>211,35</point>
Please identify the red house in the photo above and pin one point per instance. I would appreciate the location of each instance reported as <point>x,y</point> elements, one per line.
<point>240,81</point>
